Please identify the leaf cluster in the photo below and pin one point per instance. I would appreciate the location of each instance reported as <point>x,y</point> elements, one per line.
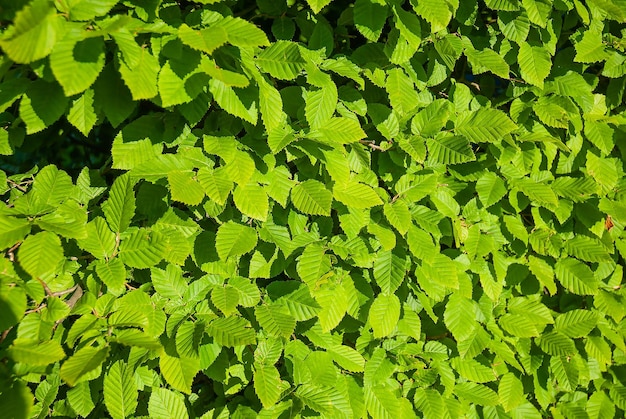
<point>378,208</point>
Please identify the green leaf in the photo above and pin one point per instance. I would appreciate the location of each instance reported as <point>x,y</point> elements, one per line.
<point>69,220</point>
<point>112,96</point>
<point>271,107</point>
<point>430,120</point>
<point>206,40</point>
<point>402,94</point>
<point>320,105</point>
<point>510,391</point>
<point>459,317</point>
<point>225,298</point>
<point>537,192</point>
<point>556,111</point>
<point>166,404</point>
<point>538,11</point>
<point>347,358</point>
<point>41,254</point>
<point>357,195</point>
<point>576,277</point>
<point>141,76</point>
<point>601,135</point>
<point>120,391</point>
<point>318,5</point>
<point>42,105</point>
<point>87,9</point>
<point>384,314</point>
<point>267,384</point>
<point>113,274</point>
<point>280,185</point>
<point>398,215</point>
<point>604,171</point>
<point>31,352</point>
<point>282,60</point>
<point>234,101</point>
<point>33,34</point>
<point>437,13</point>
<point>100,240</point>
<point>485,125</point>
<point>80,399</point>
<point>12,230</point>
<point>556,344</point>
<point>77,54</point>
<point>231,331</point>
<point>487,60</point>
<point>450,149</point>
<point>600,405</point>
<point>216,184</point>
<point>576,323</point>
<point>509,5</point>
<point>242,33</point>
<point>369,18</point>
<point>618,394</point>
<point>275,320</point>
<point>318,398</point>
<point>249,294</point>
<point>16,400</point>
<point>169,282</point>
<point>312,197</point>
<point>300,304</point>
<point>409,26</point>
<point>82,113</point>
<point>339,130</point>
<point>11,91</point>
<point>119,209</point>
<point>333,300</point>
<point>234,240</point>
<point>588,249</point>
<point>142,248</point>
<point>252,201</point>
<point>137,338</point>
<point>185,188</point>
<point>381,402</point>
<point>477,393</point>
<point>179,371</point>
<point>514,26</point>
<point>180,80</point>
<point>313,264</point>
<point>241,168</point>
<point>535,64</point>
<point>83,362</point>
<point>430,402</point>
<point>544,273</point>
<point>51,187</point>
<point>491,189</point>
<point>389,271</point>
<point>591,48</point>
<point>12,306</point>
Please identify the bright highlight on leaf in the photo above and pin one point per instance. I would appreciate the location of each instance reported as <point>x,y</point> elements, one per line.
<point>234,240</point>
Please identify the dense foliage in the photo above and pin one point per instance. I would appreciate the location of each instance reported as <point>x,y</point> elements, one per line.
<point>380,208</point>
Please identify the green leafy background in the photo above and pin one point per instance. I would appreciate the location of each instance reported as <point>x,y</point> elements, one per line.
<point>281,209</point>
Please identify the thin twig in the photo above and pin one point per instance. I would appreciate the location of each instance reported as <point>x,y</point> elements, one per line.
<point>372,145</point>
<point>75,297</point>
<point>45,287</point>
<point>67,291</point>
<point>36,309</point>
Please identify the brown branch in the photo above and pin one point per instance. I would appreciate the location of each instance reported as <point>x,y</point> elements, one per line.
<point>45,287</point>
<point>67,291</point>
<point>78,292</point>
<point>372,145</point>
